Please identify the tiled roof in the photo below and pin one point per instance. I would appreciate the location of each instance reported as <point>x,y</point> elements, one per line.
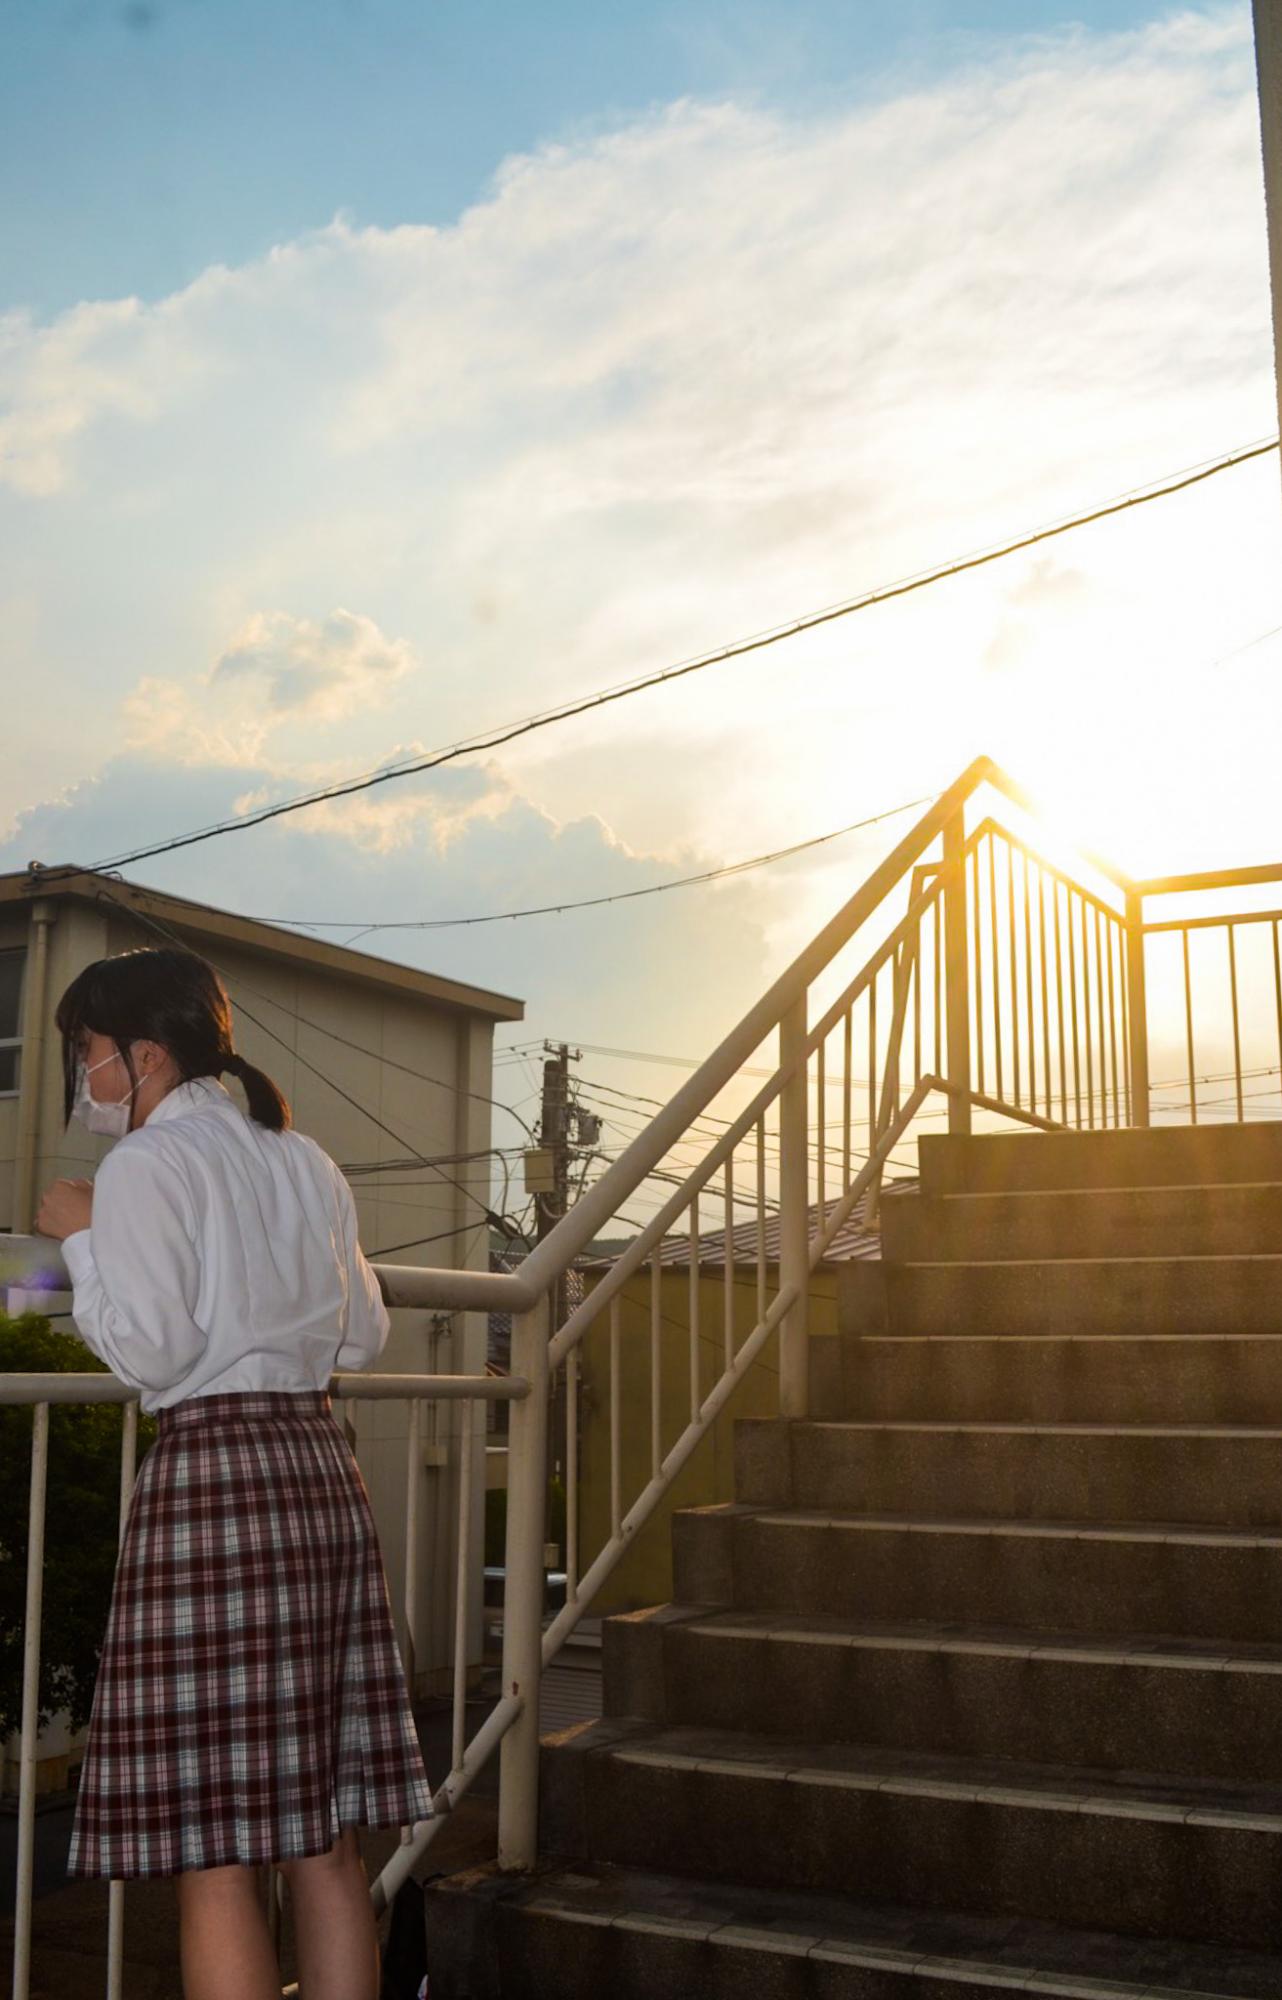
<point>853,1240</point>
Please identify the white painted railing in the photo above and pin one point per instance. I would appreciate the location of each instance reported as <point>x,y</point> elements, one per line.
<point>968,972</point>
<point>41,1392</point>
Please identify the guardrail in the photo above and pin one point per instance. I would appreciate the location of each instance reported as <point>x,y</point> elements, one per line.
<point>41,1392</point>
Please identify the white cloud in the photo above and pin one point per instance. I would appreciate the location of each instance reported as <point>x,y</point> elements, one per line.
<point>659,389</point>
<point>322,667</point>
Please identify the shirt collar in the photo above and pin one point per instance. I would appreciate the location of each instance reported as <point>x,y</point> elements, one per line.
<point>193,1095</point>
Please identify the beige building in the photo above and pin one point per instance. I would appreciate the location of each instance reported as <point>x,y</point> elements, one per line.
<point>357,1044</point>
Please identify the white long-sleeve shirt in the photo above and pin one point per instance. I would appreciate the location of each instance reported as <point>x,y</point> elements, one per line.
<point>221,1257</point>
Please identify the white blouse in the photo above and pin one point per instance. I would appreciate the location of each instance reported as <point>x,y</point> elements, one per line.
<point>221,1257</point>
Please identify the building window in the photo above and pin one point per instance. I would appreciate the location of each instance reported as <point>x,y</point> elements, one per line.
<point>11,969</point>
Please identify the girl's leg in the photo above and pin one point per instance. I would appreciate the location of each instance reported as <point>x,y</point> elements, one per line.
<point>335,1936</point>
<point>226,1948</point>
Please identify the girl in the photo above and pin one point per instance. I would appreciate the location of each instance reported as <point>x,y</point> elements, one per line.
<point>250,1703</point>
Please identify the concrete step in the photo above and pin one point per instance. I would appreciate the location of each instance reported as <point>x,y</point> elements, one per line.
<point>1238,1220</point>
<point>1221,1475</point>
<point>1083,1378</point>
<point>1101,1577</point>
<point>1141,1855</point>
<point>1133,1296</point>
<point>1181,1707</point>
<point>1163,1156</point>
<point>578,1932</point>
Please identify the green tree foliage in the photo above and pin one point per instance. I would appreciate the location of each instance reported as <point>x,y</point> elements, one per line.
<point>81,1523</point>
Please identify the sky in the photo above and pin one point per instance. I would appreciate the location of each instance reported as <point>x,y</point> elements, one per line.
<point>374,374</point>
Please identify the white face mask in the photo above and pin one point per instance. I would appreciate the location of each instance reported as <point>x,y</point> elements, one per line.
<point>110,1120</point>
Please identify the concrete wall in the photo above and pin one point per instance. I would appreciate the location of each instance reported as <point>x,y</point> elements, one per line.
<point>644,1576</point>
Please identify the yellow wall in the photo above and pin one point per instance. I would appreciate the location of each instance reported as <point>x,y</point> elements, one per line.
<point>644,1575</point>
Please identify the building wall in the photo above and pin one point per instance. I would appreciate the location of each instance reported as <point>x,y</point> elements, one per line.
<point>644,1575</point>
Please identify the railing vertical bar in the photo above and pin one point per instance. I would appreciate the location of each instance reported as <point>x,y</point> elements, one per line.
<point>463,1572</point>
<point>916,978</point>
<point>872,1061</point>
<point>616,1469</point>
<point>1086,1015</point>
<point>116,1890</point>
<point>821,1130</point>
<point>939,985</point>
<point>1045,977</point>
<point>847,1096</point>
<point>1061,1029</point>
<point>30,1702</point>
<point>1028,984</point>
<point>656,1357</point>
<point>1277,989</point>
<point>1124,988</point>
<point>1237,1031</point>
<point>572,1476</point>
<point>728,1259</point>
<point>1072,995</point>
<point>694,1311</point>
<point>763,1262</point>
<point>979,975</point>
<point>1099,1020</point>
<point>1014,972</point>
<point>1110,935</point>
<point>413,1465</point>
<point>1188,1027</point>
<point>997,963</point>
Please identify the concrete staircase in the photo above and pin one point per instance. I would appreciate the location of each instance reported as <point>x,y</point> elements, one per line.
<point>977,1687</point>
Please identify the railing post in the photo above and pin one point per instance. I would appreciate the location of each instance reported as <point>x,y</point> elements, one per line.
<point>1137,1006</point>
<point>957,972</point>
<point>794,1215</point>
<point>523,1592</point>
<point>30,1702</point>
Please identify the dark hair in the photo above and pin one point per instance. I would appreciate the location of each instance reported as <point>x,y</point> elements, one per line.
<point>170,996</point>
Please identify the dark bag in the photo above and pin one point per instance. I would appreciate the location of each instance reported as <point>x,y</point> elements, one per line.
<point>405,1953</point>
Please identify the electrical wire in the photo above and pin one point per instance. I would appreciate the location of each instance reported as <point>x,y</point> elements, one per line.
<point>596,902</point>
<point>152,923</point>
<point>772,636</point>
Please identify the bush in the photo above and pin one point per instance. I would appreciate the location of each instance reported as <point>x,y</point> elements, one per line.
<point>82,1516</point>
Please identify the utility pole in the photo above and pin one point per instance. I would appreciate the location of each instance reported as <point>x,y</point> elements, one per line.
<point>551,1203</point>
<point>1268,61</point>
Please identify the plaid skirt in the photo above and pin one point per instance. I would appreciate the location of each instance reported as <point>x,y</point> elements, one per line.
<point>250,1700</point>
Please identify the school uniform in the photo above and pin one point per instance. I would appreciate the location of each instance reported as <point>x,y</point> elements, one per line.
<point>250,1700</point>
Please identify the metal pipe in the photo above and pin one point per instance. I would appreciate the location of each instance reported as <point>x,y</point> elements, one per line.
<point>35,1008</point>
<point>413,1470</point>
<point>116,1890</point>
<point>794,1215</point>
<point>523,1597</point>
<point>656,1360</point>
<point>1188,1029</point>
<point>462,1584</point>
<point>1137,1003</point>
<point>1237,1032</point>
<point>30,1703</point>
<point>572,1474</point>
<point>957,972</point>
<point>616,1439</point>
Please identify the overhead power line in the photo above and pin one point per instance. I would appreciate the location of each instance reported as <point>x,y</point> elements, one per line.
<point>620,896</point>
<point>756,642</point>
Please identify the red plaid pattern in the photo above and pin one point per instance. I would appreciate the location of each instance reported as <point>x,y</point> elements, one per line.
<point>250,1701</point>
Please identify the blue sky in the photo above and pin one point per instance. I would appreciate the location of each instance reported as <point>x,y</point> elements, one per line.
<point>143,140</point>
<point>373,374</point>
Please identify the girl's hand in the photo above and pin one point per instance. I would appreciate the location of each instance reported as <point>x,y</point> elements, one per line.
<point>65,1207</point>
